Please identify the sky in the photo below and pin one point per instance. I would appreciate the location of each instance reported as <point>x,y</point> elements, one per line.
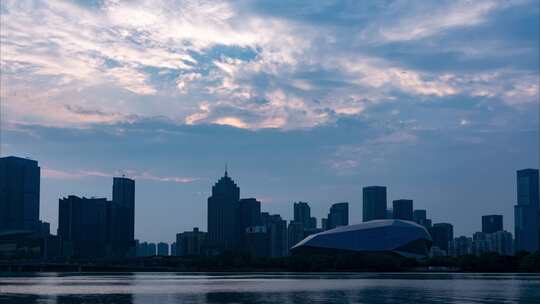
<point>303,100</point>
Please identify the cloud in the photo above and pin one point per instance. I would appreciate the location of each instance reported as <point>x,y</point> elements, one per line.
<point>61,174</point>
<point>250,65</point>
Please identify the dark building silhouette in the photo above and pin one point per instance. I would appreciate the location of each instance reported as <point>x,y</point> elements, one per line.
<point>374,203</point>
<point>122,217</point>
<point>302,214</point>
<point>402,209</point>
<point>338,216</point>
<point>162,249</point>
<point>82,226</point>
<point>295,233</point>
<point>419,216</point>
<point>277,234</point>
<point>19,194</point>
<point>492,223</point>
<point>151,249</point>
<point>527,211</point>
<point>223,230</point>
<point>249,210</point>
<point>442,233</point>
<point>257,241</point>
<point>190,243</point>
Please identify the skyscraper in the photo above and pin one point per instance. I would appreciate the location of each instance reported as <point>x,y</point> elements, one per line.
<point>162,249</point>
<point>527,211</point>
<point>19,194</point>
<point>442,233</point>
<point>302,213</point>
<point>249,215</point>
<point>492,223</point>
<point>374,203</point>
<point>223,214</point>
<point>338,216</point>
<point>277,234</point>
<point>122,217</point>
<point>82,226</point>
<point>402,209</point>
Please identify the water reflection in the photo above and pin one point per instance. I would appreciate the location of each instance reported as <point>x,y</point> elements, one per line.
<point>170,288</point>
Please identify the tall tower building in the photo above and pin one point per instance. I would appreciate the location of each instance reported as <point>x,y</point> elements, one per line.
<point>527,211</point>
<point>249,215</point>
<point>492,223</point>
<point>223,214</point>
<point>302,214</point>
<point>374,203</point>
<point>19,194</point>
<point>442,233</point>
<point>338,216</point>
<point>122,216</point>
<point>402,209</point>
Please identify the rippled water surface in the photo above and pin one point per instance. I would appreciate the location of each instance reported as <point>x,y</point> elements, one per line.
<point>165,288</point>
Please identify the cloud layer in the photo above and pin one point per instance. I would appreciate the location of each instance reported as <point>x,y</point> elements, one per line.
<point>250,65</point>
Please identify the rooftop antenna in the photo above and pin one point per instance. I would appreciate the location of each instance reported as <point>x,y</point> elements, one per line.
<point>226,169</point>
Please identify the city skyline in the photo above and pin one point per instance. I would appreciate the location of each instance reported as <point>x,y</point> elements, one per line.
<point>306,101</point>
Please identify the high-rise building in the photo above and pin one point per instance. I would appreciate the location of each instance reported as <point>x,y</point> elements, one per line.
<point>19,194</point>
<point>82,226</point>
<point>492,223</point>
<point>173,249</point>
<point>295,233</point>
<point>249,215</point>
<point>162,249</point>
<point>257,241</point>
<point>338,216</point>
<point>122,217</point>
<point>460,246</point>
<point>442,233</point>
<point>277,234</point>
<point>152,249</point>
<point>374,203</point>
<point>402,209</point>
<point>190,242</point>
<point>419,216</point>
<point>527,211</point>
<point>302,213</point>
<point>223,231</point>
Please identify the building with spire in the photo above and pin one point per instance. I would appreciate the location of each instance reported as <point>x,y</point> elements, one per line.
<point>223,214</point>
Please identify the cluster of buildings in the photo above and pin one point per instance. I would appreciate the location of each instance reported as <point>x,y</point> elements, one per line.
<point>94,228</point>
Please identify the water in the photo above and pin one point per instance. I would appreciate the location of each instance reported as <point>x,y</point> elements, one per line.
<point>186,288</point>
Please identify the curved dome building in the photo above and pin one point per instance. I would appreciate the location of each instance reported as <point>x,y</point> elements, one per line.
<point>401,237</point>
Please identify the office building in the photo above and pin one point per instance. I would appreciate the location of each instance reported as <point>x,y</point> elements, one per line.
<point>277,234</point>
<point>152,250</point>
<point>460,246</point>
<point>249,215</point>
<point>162,249</point>
<point>492,223</point>
<point>527,212</point>
<point>257,241</point>
<point>19,194</point>
<point>302,214</point>
<point>82,226</point>
<point>191,243</point>
<point>295,233</point>
<point>442,233</point>
<point>338,216</point>
<point>223,230</point>
<point>122,217</point>
<point>373,203</point>
<point>402,209</point>
<point>173,249</point>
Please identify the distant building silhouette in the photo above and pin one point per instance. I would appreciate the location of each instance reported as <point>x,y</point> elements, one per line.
<point>173,249</point>
<point>302,214</point>
<point>223,230</point>
<point>249,210</point>
<point>374,203</point>
<point>162,249</point>
<point>190,243</point>
<point>277,234</point>
<point>122,217</point>
<point>527,211</point>
<point>19,194</point>
<point>257,241</point>
<point>420,217</point>
<point>492,223</point>
<point>82,226</point>
<point>442,233</point>
<point>402,209</point>
<point>151,250</point>
<point>338,216</point>
<point>295,233</point>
